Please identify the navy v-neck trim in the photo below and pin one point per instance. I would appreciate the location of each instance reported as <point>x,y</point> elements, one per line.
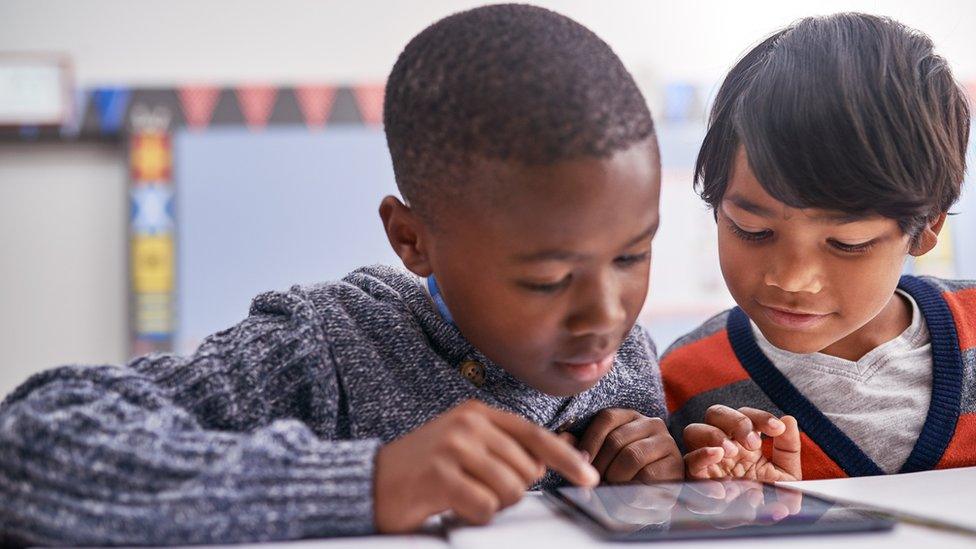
<point>943,413</point>
<point>947,374</point>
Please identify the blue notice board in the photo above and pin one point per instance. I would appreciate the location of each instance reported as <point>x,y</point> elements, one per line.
<point>260,211</point>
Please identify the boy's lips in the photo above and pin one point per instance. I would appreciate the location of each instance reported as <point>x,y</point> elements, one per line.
<point>792,318</point>
<point>586,370</point>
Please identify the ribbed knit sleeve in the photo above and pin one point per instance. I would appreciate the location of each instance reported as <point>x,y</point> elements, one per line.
<point>235,442</point>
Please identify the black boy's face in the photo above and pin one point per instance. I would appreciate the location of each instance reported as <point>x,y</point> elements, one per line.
<point>811,281</point>
<point>548,281</point>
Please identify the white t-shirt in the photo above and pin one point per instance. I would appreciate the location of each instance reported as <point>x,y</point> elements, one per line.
<point>880,402</point>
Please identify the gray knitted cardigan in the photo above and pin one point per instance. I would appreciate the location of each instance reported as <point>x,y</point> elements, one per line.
<point>269,430</point>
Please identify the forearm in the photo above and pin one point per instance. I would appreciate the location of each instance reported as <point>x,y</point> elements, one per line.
<point>106,460</point>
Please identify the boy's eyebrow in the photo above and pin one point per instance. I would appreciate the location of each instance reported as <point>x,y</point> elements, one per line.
<point>556,254</point>
<point>762,211</point>
<point>744,203</point>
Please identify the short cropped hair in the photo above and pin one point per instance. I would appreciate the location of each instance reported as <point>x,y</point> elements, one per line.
<point>504,82</point>
<point>848,112</point>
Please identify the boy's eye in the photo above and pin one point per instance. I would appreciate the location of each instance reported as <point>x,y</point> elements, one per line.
<point>852,248</point>
<point>546,287</point>
<point>632,259</point>
<point>747,235</point>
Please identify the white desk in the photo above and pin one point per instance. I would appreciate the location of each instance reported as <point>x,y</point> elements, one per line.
<point>949,494</point>
<point>534,524</point>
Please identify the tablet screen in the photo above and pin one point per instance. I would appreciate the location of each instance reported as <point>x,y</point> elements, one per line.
<point>710,509</point>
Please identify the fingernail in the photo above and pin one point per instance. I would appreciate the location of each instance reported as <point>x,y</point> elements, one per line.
<point>730,448</point>
<point>754,441</point>
<point>585,455</point>
<point>779,513</point>
<point>777,424</point>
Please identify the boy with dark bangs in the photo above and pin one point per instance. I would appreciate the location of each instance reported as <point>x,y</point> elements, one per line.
<point>835,149</point>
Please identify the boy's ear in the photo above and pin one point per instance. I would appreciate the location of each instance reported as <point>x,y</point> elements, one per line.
<point>929,236</point>
<point>406,234</point>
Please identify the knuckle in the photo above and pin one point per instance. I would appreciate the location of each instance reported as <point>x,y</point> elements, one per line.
<point>715,438</point>
<point>439,470</point>
<point>485,509</point>
<point>600,421</point>
<point>614,413</point>
<point>616,441</point>
<point>469,420</point>
<point>608,416</point>
<point>453,444</point>
<point>473,404</point>
<point>743,423</point>
<point>634,455</point>
<point>715,409</point>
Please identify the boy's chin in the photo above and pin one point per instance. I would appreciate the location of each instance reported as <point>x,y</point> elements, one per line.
<point>560,379</point>
<point>801,344</point>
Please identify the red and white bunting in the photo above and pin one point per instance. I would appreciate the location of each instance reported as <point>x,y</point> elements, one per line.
<point>256,103</point>
<point>370,102</point>
<point>198,103</point>
<point>315,103</point>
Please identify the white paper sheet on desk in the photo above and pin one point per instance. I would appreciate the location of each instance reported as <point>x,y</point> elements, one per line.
<point>948,495</point>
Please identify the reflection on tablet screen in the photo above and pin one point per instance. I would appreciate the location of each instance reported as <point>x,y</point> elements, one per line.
<point>710,509</point>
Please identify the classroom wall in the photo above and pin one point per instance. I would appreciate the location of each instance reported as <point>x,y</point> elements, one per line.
<point>63,208</point>
<point>62,240</point>
<point>143,42</point>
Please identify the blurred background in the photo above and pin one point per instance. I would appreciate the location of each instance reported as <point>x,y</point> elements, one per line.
<point>163,162</point>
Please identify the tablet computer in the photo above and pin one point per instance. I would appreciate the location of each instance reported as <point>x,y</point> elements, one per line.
<point>708,509</point>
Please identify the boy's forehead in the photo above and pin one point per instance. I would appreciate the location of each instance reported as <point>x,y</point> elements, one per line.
<point>633,172</point>
<point>585,205</point>
<point>540,248</point>
<point>577,220</point>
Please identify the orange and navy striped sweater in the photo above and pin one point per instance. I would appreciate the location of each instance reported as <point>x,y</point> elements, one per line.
<point>721,363</point>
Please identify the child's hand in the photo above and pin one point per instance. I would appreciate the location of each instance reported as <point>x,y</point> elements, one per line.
<point>472,460</point>
<point>729,445</point>
<point>624,445</point>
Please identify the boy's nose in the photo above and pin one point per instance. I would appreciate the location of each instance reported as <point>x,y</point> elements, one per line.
<point>600,312</point>
<point>793,273</point>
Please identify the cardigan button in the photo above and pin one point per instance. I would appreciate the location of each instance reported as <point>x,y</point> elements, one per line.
<point>473,372</point>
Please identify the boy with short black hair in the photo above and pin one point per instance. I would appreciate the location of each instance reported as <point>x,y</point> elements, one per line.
<point>835,149</point>
<point>528,162</point>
